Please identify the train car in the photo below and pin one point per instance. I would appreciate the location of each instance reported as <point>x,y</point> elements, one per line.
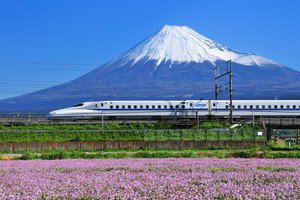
<point>203,108</point>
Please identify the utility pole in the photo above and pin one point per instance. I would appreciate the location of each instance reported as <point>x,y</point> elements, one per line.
<point>102,120</point>
<point>217,73</point>
<point>230,91</point>
<point>218,89</point>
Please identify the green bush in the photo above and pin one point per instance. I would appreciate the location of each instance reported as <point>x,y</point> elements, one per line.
<point>241,154</point>
<point>143,154</point>
<point>267,154</point>
<point>113,132</point>
<point>62,155</point>
<point>76,154</point>
<point>55,155</point>
<point>251,146</point>
<point>289,154</point>
<point>27,156</point>
<point>189,154</point>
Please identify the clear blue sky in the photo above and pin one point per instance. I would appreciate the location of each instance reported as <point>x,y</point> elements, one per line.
<point>78,36</point>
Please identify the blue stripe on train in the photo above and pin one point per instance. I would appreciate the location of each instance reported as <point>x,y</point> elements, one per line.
<point>235,109</point>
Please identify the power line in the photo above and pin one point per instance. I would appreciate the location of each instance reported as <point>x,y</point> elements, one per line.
<point>29,81</point>
<point>23,84</point>
<point>47,63</point>
<point>45,69</point>
<point>81,64</point>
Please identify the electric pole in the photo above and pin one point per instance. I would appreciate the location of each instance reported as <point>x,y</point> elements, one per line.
<point>230,91</point>
<point>218,89</point>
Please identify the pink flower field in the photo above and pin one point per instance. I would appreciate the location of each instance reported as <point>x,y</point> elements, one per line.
<point>172,178</point>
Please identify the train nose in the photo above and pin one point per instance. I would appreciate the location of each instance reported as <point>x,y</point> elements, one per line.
<point>51,114</point>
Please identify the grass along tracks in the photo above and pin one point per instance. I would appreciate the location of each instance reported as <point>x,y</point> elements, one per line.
<point>133,132</point>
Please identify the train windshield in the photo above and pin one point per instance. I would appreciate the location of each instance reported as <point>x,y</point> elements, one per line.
<point>81,104</point>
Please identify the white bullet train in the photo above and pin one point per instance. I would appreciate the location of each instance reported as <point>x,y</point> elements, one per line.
<point>149,109</point>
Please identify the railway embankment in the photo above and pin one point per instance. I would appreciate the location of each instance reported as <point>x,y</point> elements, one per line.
<point>133,136</point>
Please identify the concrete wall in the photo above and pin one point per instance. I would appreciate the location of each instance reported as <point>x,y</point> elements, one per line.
<point>100,145</point>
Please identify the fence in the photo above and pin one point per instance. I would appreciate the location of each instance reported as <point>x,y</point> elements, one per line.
<point>126,135</point>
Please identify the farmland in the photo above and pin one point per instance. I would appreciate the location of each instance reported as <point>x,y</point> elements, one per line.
<point>135,178</point>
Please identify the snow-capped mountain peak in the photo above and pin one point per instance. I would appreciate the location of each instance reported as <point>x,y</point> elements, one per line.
<point>178,44</point>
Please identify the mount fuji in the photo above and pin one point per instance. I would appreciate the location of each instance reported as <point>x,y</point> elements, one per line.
<point>175,63</point>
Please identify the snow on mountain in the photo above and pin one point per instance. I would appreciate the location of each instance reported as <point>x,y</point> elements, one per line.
<point>178,44</point>
<point>175,63</point>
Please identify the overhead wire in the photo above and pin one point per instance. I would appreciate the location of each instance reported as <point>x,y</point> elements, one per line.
<point>45,69</point>
<point>80,64</point>
<point>43,86</point>
<point>46,63</point>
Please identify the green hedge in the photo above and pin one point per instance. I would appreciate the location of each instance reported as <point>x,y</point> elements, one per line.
<point>116,132</point>
<point>124,135</point>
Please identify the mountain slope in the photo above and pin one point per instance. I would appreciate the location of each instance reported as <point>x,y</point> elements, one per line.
<point>174,63</point>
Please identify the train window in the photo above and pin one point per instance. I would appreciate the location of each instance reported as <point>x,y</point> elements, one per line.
<point>269,106</point>
<point>257,106</point>
<point>111,107</point>
<point>141,106</point>
<point>135,106</point>
<point>294,106</point>
<point>81,104</point>
<point>251,106</point>
<point>117,106</point>
<point>171,106</point>
<point>183,106</point>
<point>233,106</point>
<point>182,102</point>
<point>263,106</point>
<point>245,106</point>
<point>214,104</point>
<point>275,106</point>
<point>129,106</point>
<point>159,106</point>
<point>101,104</point>
<point>123,107</point>
<point>191,104</point>
<point>288,106</point>
<point>281,106</point>
<point>153,106</point>
<point>177,106</point>
<point>226,106</point>
<point>165,106</point>
<point>239,106</point>
<point>96,105</point>
<point>147,106</point>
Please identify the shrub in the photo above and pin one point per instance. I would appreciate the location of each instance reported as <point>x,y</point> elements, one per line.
<point>75,155</point>
<point>267,154</point>
<point>189,154</point>
<point>252,146</point>
<point>289,154</point>
<point>27,156</point>
<point>46,156</point>
<point>143,154</point>
<point>62,155</point>
<point>241,154</point>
